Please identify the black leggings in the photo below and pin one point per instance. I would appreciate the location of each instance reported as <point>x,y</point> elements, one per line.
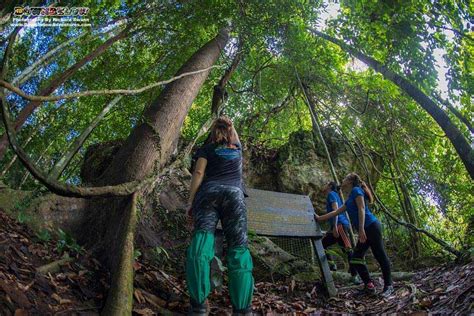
<point>375,242</point>
<point>344,243</point>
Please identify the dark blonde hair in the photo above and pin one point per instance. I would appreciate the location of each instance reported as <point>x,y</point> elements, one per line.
<point>356,181</point>
<point>222,131</point>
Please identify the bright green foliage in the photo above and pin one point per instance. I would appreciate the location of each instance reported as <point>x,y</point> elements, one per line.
<point>265,102</point>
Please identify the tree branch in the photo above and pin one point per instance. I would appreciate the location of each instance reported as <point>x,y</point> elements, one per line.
<point>457,139</point>
<point>455,112</point>
<point>36,98</point>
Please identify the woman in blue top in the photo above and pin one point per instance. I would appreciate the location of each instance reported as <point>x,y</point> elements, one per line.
<point>370,232</point>
<point>339,227</point>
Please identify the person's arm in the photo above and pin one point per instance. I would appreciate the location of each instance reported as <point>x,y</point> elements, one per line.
<point>198,176</point>
<point>361,208</point>
<point>335,233</point>
<point>329,215</point>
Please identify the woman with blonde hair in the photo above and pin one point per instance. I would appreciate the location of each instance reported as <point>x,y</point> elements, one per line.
<point>217,193</point>
<point>370,232</point>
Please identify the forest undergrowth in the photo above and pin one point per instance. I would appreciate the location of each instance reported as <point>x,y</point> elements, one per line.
<point>42,275</point>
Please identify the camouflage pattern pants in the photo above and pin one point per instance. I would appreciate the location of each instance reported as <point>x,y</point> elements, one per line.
<point>211,204</point>
<point>226,203</point>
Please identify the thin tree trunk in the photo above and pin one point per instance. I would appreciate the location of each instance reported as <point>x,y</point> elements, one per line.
<point>317,131</point>
<point>462,146</point>
<point>28,140</point>
<point>73,167</point>
<point>8,166</point>
<point>64,161</point>
<point>218,98</point>
<point>411,218</point>
<point>120,298</point>
<point>407,205</point>
<point>45,59</point>
<point>55,83</point>
<point>414,250</point>
<point>30,70</point>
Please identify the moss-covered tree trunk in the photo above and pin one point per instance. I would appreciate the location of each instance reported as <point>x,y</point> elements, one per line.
<point>108,227</point>
<point>152,142</point>
<point>120,299</point>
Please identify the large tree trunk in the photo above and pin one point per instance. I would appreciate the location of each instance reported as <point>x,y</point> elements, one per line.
<point>54,84</point>
<point>108,226</point>
<point>152,142</point>
<point>462,146</point>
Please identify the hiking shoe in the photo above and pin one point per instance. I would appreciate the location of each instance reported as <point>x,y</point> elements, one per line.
<point>387,291</point>
<point>199,309</point>
<point>370,288</point>
<point>242,312</point>
<point>355,279</point>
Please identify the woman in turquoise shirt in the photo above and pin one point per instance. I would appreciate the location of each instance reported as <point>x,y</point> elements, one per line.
<point>370,232</point>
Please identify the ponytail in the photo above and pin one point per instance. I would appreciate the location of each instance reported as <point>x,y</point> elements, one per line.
<point>367,192</point>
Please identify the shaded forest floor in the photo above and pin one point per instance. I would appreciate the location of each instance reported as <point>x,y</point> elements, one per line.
<point>78,285</point>
<point>29,285</point>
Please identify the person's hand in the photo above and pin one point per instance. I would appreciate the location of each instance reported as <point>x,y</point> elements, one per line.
<point>335,233</point>
<point>362,236</point>
<point>316,217</point>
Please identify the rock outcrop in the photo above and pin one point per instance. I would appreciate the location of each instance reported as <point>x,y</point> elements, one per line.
<point>300,166</point>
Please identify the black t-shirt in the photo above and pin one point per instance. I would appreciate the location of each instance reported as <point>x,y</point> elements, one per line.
<point>224,164</point>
